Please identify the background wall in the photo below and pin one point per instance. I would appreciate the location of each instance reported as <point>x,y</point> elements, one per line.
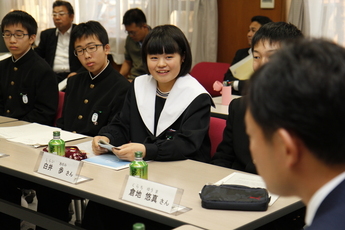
<point>233,23</point>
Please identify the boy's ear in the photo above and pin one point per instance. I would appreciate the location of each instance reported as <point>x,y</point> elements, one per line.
<point>107,49</point>
<point>32,38</point>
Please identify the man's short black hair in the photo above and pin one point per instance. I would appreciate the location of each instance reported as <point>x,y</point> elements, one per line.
<point>168,39</point>
<point>20,17</point>
<point>134,15</point>
<point>276,32</point>
<point>302,90</point>
<point>90,29</point>
<point>262,20</point>
<point>64,3</point>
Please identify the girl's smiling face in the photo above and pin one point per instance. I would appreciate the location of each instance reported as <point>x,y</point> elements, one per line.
<point>164,68</point>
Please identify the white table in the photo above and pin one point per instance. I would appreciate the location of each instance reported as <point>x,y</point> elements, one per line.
<point>221,111</point>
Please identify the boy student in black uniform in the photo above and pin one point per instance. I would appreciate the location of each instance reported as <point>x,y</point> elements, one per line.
<point>92,98</point>
<point>233,152</point>
<point>256,23</point>
<point>28,91</point>
<point>166,115</point>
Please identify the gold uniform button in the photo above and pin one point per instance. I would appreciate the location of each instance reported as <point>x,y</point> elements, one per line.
<point>74,132</point>
<point>10,97</point>
<point>8,111</point>
<point>92,86</point>
<point>15,68</point>
<point>80,117</point>
<point>12,82</point>
<point>86,101</point>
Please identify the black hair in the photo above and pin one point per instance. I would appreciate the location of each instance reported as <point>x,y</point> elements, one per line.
<point>20,17</point>
<point>302,89</point>
<point>64,3</point>
<point>90,29</point>
<point>262,20</point>
<point>168,39</point>
<point>276,32</point>
<point>134,15</point>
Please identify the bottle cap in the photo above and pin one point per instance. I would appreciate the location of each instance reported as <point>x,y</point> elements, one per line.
<point>138,226</point>
<point>138,154</point>
<point>56,133</point>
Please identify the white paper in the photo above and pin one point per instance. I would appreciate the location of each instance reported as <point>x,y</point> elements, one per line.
<point>249,180</point>
<point>4,56</point>
<point>63,84</point>
<point>243,69</point>
<point>35,134</point>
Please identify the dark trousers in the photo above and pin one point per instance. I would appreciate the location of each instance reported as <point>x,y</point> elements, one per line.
<point>102,217</point>
<point>50,202</point>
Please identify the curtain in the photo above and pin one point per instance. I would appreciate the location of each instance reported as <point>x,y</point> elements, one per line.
<point>198,19</point>
<point>320,18</point>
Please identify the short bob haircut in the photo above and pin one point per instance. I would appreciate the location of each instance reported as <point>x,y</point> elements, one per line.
<point>17,17</point>
<point>64,3</point>
<point>168,39</point>
<point>90,29</point>
<point>302,90</point>
<point>276,32</point>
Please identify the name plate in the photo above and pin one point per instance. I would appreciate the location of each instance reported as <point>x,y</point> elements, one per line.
<point>151,194</point>
<point>59,167</point>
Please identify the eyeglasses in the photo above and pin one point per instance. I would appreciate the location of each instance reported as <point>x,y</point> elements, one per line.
<point>89,49</point>
<point>17,35</point>
<point>133,33</point>
<point>61,14</point>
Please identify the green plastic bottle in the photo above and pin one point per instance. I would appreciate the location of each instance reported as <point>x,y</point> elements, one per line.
<point>138,226</point>
<point>56,145</point>
<point>138,167</point>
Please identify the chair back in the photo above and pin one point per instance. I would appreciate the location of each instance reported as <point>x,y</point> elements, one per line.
<point>60,106</point>
<point>215,132</point>
<point>209,72</point>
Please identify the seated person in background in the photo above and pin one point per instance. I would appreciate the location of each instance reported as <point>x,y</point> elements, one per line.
<point>137,29</point>
<point>233,151</point>
<point>28,91</point>
<point>166,116</point>
<point>256,23</point>
<point>296,131</point>
<point>55,46</point>
<point>92,98</point>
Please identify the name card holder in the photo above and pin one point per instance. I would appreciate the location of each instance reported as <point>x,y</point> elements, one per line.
<point>60,167</point>
<point>153,195</point>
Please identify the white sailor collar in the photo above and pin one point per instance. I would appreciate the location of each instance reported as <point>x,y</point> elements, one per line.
<point>184,91</point>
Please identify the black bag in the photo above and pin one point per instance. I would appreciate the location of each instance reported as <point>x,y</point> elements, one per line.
<point>234,197</point>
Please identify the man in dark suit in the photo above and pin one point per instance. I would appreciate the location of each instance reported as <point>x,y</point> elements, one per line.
<point>296,128</point>
<point>256,23</point>
<point>55,46</point>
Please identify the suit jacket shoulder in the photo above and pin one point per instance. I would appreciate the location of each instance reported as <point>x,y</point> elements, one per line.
<point>330,214</point>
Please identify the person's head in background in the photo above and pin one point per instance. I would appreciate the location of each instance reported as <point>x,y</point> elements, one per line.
<point>166,55</point>
<point>296,124</point>
<point>63,15</point>
<point>267,40</point>
<point>19,32</point>
<point>91,44</point>
<point>134,21</point>
<point>256,23</point>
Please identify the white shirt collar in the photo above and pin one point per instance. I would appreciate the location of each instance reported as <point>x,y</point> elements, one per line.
<point>185,90</point>
<point>57,31</point>
<point>319,196</point>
